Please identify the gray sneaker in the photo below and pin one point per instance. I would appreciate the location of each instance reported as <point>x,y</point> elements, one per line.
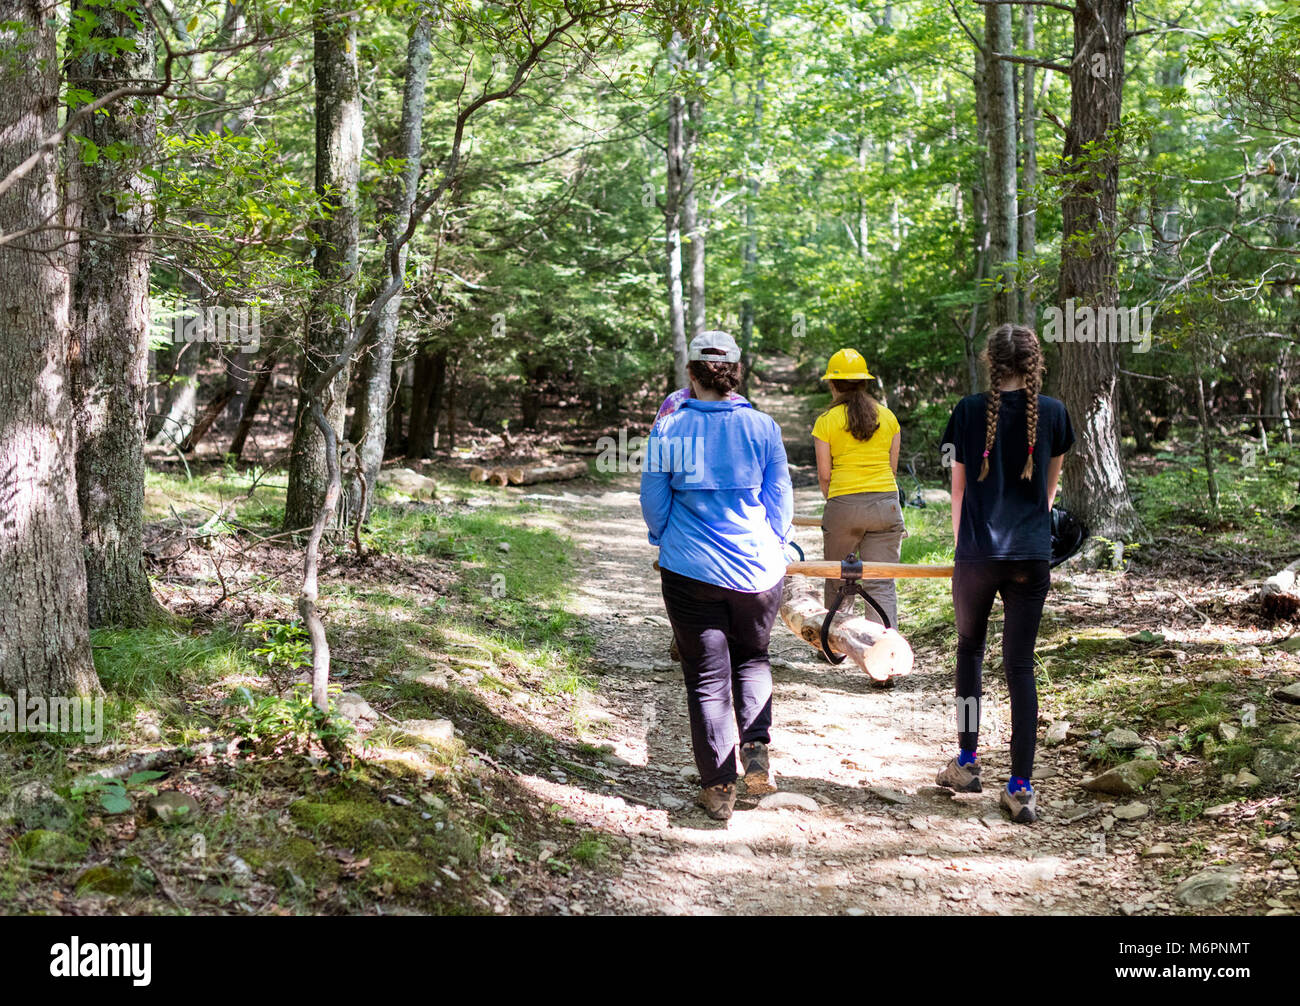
<point>962,778</point>
<point>1022,805</point>
<point>758,771</point>
<point>718,801</point>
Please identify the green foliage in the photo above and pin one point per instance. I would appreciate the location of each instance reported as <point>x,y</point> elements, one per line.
<point>272,723</point>
<point>112,795</point>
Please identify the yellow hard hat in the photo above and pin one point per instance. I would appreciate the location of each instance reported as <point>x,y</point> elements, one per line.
<point>847,365</point>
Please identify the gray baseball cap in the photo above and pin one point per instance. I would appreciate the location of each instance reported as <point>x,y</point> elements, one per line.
<point>722,346</point>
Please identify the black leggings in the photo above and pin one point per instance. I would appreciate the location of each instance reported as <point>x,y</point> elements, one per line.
<point>1023,586</point>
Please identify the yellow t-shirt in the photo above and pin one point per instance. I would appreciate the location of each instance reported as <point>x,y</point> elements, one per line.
<point>858,466</point>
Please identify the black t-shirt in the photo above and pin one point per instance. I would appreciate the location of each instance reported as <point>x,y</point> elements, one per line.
<point>1005,516</point>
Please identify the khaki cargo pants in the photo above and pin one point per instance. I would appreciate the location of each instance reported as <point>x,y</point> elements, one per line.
<point>872,525</point>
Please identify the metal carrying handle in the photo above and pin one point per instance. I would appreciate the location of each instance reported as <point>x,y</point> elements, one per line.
<point>851,574</point>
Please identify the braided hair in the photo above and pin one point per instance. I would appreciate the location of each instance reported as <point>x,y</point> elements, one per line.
<point>1013,351</point>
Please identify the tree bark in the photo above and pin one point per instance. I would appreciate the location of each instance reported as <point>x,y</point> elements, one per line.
<point>1003,205</point>
<point>1028,173</point>
<point>111,211</point>
<point>691,222</point>
<point>749,252</point>
<point>338,165</point>
<point>673,194</point>
<point>373,407</point>
<point>252,402</point>
<point>177,389</point>
<point>1095,489</point>
<point>44,639</point>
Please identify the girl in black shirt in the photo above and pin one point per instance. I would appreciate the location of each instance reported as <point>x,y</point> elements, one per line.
<point>1001,523</point>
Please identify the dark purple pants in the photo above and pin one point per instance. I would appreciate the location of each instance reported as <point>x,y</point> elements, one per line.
<point>722,635</point>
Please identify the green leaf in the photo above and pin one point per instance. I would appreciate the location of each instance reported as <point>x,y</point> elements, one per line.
<point>138,777</point>
<point>114,801</point>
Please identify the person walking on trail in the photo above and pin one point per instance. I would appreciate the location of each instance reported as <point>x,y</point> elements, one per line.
<point>856,442</point>
<point>1016,440</point>
<point>667,407</point>
<point>717,500</point>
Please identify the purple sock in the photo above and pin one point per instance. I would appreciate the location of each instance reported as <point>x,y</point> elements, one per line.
<point>965,757</point>
<point>1017,783</point>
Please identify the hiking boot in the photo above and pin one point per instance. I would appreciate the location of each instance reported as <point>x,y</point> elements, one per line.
<point>718,801</point>
<point>962,778</point>
<point>758,771</point>
<point>1022,805</point>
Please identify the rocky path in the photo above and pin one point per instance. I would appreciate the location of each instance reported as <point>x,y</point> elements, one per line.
<point>859,826</point>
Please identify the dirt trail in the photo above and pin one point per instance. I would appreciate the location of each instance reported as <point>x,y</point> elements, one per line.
<point>882,839</point>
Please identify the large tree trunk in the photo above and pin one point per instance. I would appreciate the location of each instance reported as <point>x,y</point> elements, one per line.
<point>373,408</point>
<point>110,317</point>
<point>338,165</point>
<point>1095,490</point>
<point>673,194</point>
<point>1002,200</point>
<point>44,641</point>
<point>427,386</point>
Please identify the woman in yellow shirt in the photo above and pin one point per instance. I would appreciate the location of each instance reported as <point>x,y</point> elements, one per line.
<point>857,441</point>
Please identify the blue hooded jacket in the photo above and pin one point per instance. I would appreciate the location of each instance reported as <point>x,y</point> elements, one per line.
<point>716,495</point>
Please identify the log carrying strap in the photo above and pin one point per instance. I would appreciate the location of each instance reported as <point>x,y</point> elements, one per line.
<point>851,574</point>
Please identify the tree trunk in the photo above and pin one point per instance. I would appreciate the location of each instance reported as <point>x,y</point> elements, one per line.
<point>252,402</point>
<point>110,317</point>
<point>338,164</point>
<point>1003,207</point>
<point>1028,174</point>
<point>749,253</point>
<point>373,408</point>
<point>211,411</point>
<point>691,222</point>
<point>176,373</point>
<point>1095,490</point>
<point>44,641</point>
<point>673,193</point>
<point>1128,394</point>
<point>1207,443</point>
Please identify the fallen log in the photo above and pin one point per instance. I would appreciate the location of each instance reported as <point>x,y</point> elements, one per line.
<point>479,474</point>
<point>1280,594</point>
<point>802,521</point>
<point>498,477</point>
<point>882,653</point>
<point>546,473</point>
<point>870,570</point>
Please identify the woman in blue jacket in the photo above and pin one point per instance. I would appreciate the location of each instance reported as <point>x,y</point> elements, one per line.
<point>716,496</point>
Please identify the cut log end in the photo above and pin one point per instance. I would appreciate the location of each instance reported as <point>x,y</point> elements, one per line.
<point>879,652</point>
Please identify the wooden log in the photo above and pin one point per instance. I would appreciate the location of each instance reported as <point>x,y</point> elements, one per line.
<point>1280,594</point>
<point>546,473</point>
<point>870,570</point>
<point>800,520</point>
<point>882,653</point>
<point>479,474</point>
<point>498,477</point>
